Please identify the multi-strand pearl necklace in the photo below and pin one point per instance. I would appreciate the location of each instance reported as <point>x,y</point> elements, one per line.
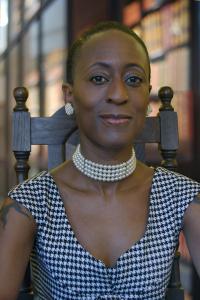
<point>103,172</point>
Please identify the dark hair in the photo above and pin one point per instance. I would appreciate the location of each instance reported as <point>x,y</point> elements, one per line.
<point>100,27</point>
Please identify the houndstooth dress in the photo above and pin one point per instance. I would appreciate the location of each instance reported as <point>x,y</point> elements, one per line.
<point>63,270</point>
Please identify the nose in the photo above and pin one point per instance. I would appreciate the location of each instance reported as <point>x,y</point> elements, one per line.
<point>117,92</point>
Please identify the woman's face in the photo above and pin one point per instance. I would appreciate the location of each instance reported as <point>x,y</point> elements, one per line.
<point>111,89</point>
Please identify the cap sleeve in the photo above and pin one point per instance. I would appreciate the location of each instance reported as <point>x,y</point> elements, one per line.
<point>31,194</point>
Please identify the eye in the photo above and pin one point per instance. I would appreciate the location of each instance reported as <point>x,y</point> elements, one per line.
<point>98,79</point>
<point>133,80</point>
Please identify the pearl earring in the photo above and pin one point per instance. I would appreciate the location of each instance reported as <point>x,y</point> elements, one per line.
<point>149,110</point>
<point>69,109</point>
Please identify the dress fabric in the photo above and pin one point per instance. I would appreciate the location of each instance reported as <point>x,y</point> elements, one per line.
<point>63,270</point>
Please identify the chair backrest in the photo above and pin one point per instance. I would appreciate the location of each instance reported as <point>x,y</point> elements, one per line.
<point>60,130</point>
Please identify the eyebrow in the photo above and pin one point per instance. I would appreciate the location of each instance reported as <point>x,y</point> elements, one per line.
<point>107,66</point>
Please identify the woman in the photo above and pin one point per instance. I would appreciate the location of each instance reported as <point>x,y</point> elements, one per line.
<point>102,225</point>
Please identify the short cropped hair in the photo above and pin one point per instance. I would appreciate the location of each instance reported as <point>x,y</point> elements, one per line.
<point>98,28</point>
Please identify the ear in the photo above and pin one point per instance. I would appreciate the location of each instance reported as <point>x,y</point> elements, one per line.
<point>150,88</point>
<point>67,92</point>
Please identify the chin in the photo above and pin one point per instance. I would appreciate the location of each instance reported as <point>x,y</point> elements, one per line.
<point>120,140</point>
<point>114,144</point>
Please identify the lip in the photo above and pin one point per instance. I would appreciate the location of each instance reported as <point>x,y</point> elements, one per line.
<point>116,119</point>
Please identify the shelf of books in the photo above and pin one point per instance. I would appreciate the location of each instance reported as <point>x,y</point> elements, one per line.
<point>165,28</point>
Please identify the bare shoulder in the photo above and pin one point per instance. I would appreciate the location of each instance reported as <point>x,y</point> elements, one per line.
<point>12,210</point>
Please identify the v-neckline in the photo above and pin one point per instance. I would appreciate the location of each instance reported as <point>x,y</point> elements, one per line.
<point>126,252</point>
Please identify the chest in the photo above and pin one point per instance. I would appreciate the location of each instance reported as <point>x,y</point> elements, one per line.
<point>107,229</point>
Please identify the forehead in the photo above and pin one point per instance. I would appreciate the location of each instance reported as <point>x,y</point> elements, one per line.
<point>114,46</point>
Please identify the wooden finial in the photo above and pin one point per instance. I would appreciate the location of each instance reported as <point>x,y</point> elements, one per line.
<point>21,96</point>
<point>166,94</point>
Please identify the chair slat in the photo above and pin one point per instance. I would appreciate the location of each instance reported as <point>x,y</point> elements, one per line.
<point>51,131</point>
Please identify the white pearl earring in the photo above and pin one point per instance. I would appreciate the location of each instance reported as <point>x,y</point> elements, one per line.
<point>149,110</point>
<point>69,109</point>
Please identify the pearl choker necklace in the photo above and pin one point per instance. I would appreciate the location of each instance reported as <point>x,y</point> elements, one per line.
<point>103,172</point>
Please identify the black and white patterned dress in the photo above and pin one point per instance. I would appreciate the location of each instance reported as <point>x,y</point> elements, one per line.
<point>64,270</point>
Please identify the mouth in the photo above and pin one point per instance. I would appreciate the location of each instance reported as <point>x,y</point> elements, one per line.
<point>116,119</point>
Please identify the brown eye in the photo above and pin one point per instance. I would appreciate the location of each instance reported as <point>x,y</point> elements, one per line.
<point>133,80</point>
<point>98,79</point>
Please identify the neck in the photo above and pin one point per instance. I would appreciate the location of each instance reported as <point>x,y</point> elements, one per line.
<point>106,154</point>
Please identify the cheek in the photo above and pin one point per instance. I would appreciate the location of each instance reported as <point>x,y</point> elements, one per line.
<point>87,103</point>
<point>139,106</point>
<point>141,101</point>
<point>84,110</point>
<point>82,105</point>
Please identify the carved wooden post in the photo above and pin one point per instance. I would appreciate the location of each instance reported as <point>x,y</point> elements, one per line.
<point>21,148</point>
<point>21,144</point>
<point>169,127</point>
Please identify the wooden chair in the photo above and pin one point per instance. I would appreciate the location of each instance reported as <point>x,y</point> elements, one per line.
<point>58,129</point>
